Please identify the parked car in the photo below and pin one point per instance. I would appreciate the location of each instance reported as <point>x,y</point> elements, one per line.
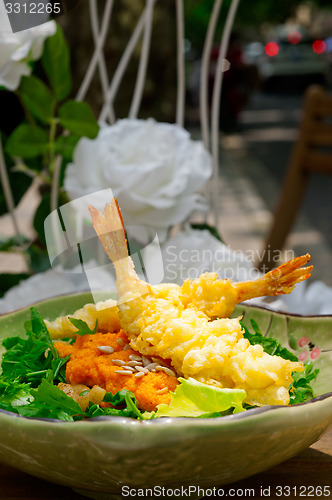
<point>288,55</point>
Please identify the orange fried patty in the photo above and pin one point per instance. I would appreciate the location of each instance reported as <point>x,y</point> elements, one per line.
<point>90,364</point>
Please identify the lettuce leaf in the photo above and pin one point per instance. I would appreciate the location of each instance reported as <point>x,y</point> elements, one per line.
<point>195,399</point>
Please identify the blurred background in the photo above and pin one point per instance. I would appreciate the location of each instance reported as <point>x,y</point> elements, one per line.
<point>276,50</point>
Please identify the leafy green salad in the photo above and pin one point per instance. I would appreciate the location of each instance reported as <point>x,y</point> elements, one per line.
<point>31,370</point>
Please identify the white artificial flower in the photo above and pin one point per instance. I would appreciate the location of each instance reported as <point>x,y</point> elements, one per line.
<point>17,50</point>
<point>192,252</point>
<point>154,170</point>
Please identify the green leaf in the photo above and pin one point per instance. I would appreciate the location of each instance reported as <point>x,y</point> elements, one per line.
<point>56,63</point>
<point>83,327</point>
<point>51,395</point>
<point>39,328</point>
<point>18,179</point>
<point>8,280</point>
<point>195,399</point>
<point>38,259</point>
<point>65,145</point>
<point>270,345</point>
<point>211,229</point>
<point>30,359</point>
<point>37,98</point>
<point>124,399</point>
<point>7,243</point>
<point>77,117</point>
<point>43,210</point>
<point>27,141</point>
<point>300,390</point>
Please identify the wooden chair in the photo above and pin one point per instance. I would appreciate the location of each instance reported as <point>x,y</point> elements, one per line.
<point>312,153</point>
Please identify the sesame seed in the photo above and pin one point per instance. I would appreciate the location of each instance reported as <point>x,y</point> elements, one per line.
<point>120,342</point>
<point>118,362</point>
<point>124,372</point>
<point>151,366</point>
<point>146,361</point>
<point>135,357</point>
<point>134,363</point>
<point>127,347</point>
<point>106,349</point>
<point>131,368</point>
<point>139,374</point>
<point>163,390</point>
<point>141,369</point>
<point>168,371</point>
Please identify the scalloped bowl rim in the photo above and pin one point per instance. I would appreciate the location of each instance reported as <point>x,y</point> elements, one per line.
<point>170,420</point>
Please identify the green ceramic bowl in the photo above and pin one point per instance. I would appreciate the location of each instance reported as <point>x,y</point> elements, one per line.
<point>100,456</point>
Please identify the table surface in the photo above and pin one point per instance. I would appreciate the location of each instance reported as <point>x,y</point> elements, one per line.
<point>300,476</point>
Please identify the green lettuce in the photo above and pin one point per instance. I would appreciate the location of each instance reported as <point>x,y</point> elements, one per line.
<point>195,399</point>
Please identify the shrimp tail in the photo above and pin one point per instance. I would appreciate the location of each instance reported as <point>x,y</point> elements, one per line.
<point>281,280</point>
<point>110,231</point>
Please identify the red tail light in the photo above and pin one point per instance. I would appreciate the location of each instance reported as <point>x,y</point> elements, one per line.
<point>271,49</point>
<point>319,46</point>
<point>294,37</point>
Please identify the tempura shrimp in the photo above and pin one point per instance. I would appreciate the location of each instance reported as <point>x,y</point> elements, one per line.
<point>174,322</point>
<point>217,298</point>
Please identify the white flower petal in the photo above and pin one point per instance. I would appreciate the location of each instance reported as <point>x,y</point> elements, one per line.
<point>154,169</point>
<point>18,49</point>
<point>12,74</point>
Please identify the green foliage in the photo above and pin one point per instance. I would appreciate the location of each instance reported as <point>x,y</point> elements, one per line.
<point>37,98</point>
<point>32,368</point>
<point>21,181</point>
<point>43,210</point>
<point>203,225</point>
<point>31,359</point>
<point>8,280</point>
<point>83,327</point>
<point>195,399</point>
<point>53,125</point>
<point>7,244</point>
<point>248,15</point>
<point>56,63</point>
<point>65,145</point>
<point>270,345</point>
<point>38,258</point>
<point>27,141</point>
<point>300,390</point>
<point>78,119</point>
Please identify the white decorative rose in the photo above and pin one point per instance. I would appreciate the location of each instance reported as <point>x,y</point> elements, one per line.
<point>193,252</point>
<point>17,50</point>
<point>154,170</point>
